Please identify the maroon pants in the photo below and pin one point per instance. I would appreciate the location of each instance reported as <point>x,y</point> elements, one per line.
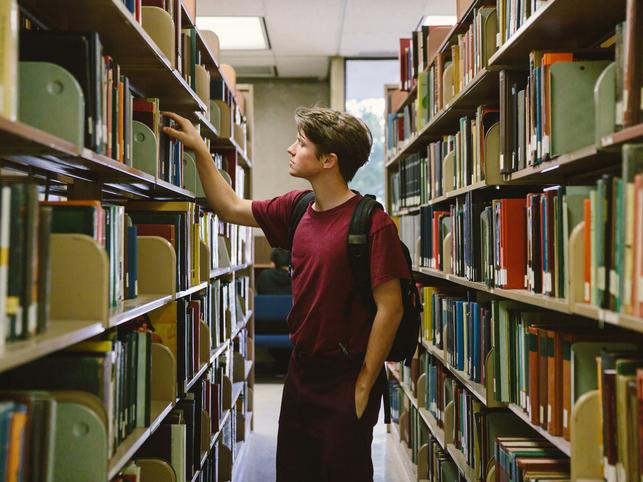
<point>320,437</point>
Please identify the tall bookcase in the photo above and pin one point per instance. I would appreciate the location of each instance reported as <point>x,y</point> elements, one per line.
<point>160,55</point>
<point>522,102</point>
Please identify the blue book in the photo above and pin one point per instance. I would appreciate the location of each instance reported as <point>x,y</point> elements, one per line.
<point>468,317</point>
<point>6,412</point>
<point>130,4</point>
<point>476,372</point>
<point>459,336</point>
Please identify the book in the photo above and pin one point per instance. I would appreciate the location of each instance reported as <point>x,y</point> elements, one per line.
<point>9,60</point>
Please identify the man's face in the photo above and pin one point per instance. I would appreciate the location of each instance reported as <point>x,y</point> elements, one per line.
<point>303,161</point>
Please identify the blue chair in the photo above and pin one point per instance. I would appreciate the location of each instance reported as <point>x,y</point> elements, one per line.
<point>271,328</point>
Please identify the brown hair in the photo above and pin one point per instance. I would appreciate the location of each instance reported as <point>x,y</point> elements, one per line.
<point>338,133</point>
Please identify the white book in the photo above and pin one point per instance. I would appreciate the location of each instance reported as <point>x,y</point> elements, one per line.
<point>178,451</point>
<point>9,59</point>
<point>5,210</point>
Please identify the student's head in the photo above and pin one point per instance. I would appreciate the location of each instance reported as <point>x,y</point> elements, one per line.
<point>328,140</point>
<point>280,257</point>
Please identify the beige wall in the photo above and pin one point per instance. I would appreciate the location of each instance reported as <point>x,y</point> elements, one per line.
<point>275,102</point>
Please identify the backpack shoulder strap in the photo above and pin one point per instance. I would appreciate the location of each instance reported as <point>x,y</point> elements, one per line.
<point>298,210</point>
<point>358,232</point>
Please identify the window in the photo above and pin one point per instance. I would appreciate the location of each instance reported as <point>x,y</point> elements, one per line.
<point>365,80</point>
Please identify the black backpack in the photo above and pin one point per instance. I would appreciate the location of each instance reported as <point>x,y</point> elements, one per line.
<point>407,335</point>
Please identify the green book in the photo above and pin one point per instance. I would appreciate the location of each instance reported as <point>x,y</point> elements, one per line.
<point>75,219</point>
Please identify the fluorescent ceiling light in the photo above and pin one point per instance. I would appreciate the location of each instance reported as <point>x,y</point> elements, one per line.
<point>237,33</point>
<point>439,20</point>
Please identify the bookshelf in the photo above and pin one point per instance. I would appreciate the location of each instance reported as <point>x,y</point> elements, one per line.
<point>192,285</point>
<point>464,366</point>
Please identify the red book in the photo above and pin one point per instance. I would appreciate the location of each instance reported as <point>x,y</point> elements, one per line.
<point>437,249</point>
<point>405,45</point>
<point>513,243</point>
<point>165,231</point>
<point>543,382</point>
<point>144,112</point>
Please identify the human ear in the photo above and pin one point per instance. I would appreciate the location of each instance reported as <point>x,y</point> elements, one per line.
<point>329,160</point>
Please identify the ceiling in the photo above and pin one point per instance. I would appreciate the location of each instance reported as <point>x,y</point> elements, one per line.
<point>304,34</point>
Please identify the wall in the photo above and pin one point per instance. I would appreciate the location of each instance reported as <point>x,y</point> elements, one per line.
<point>275,102</point>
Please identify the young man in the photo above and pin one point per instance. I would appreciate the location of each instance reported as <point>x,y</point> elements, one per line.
<point>335,380</point>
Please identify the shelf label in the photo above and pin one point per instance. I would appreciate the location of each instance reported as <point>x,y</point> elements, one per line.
<point>627,293</point>
<point>600,278</point>
<point>547,279</point>
<point>503,276</point>
<point>615,283</point>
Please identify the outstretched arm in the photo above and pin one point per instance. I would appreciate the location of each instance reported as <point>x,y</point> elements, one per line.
<point>221,197</point>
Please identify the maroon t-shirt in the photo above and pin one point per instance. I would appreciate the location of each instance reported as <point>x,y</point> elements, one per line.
<point>322,280</point>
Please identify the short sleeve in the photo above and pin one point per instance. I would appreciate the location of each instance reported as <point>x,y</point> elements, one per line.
<point>273,216</point>
<point>386,256</point>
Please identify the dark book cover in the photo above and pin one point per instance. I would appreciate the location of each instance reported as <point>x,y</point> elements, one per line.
<point>44,267</point>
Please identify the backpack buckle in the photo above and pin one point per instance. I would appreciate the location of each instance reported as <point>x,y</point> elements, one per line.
<point>357,239</point>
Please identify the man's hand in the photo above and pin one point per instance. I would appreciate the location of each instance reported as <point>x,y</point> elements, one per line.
<point>361,398</point>
<point>185,132</point>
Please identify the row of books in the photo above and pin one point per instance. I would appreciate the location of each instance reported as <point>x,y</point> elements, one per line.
<point>541,364</point>
<point>477,432</point>
<point>111,102</point>
<point>544,113</point>
<point>422,178</point>
<point>461,327</point>
<point>25,266</point>
<point>116,369</point>
<point>473,49</point>
<point>545,368</point>
<point>27,225</point>
<point>204,398</point>
<point>107,94</point>
<point>512,14</point>
<point>613,215</point>
<point>416,53</point>
<point>523,242</point>
<point>439,76</point>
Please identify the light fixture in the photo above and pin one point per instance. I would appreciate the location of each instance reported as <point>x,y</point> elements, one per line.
<point>237,33</point>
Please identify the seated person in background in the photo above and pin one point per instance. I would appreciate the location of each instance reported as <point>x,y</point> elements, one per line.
<point>276,280</point>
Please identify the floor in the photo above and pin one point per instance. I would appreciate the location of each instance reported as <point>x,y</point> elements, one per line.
<point>260,462</point>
